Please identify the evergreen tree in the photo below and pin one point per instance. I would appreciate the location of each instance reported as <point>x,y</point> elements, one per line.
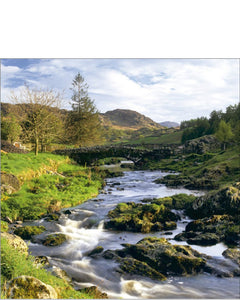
<point>83,124</point>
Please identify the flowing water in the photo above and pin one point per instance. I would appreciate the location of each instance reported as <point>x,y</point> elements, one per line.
<point>85,231</point>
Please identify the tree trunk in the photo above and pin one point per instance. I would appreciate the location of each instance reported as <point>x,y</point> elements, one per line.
<point>36,146</point>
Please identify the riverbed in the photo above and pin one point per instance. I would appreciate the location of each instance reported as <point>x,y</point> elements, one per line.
<point>84,228</point>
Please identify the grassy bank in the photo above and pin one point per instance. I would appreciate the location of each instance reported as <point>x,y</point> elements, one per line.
<point>220,168</point>
<point>48,182</point>
<point>14,264</point>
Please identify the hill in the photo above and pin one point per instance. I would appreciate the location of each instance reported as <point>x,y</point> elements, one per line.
<point>169,124</point>
<point>127,119</point>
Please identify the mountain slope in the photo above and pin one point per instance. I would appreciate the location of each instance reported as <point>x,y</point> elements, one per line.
<point>127,119</point>
<point>169,124</point>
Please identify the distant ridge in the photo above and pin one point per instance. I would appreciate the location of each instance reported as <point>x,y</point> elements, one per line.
<point>169,124</point>
<point>127,119</point>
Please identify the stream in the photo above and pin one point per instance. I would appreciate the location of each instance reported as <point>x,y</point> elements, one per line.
<point>85,231</point>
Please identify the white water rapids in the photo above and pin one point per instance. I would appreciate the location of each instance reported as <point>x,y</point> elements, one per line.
<point>85,231</point>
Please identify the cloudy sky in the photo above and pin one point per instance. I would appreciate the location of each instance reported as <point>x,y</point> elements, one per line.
<point>162,89</point>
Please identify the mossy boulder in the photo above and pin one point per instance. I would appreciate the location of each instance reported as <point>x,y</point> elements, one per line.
<point>53,240</point>
<point>96,250</point>
<point>224,201</point>
<point>28,287</point>
<point>94,292</point>
<point>27,232</point>
<point>52,217</point>
<point>157,258</point>
<point>210,231</point>
<point>16,242</point>
<point>136,267</point>
<point>141,217</point>
<point>178,201</point>
<point>233,254</point>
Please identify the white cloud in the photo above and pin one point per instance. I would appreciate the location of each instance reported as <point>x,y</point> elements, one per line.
<point>163,89</point>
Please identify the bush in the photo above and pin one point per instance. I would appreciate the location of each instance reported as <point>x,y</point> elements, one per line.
<point>4,226</point>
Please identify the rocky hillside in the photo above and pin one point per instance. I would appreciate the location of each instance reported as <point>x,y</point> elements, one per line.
<point>127,119</point>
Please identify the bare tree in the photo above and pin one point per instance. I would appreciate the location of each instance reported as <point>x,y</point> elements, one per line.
<point>40,122</point>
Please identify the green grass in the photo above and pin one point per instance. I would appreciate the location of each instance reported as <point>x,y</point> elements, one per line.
<point>51,182</point>
<point>14,264</point>
<point>16,163</point>
<point>226,163</point>
<point>169,138</point>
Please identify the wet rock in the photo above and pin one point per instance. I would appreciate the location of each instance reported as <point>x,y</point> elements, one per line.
<point>136,267</point>
<point>233,254</point>
<point>41,260</point>
<point>27,232</point>
<point>53,240</point>
<point>157,258</point>
<point>96,250</point>
<point>210,231</point>
<point>94,292</point>
<point>67,212</point>
<point>222,268</point>
<point>52,217</point>
<point>224,201</point>
<point>205,239</point>
<point>58,272</point>
<point>24,287</point>
<point>141,217</point>
<point>16,242</point>
<point>168,233</point>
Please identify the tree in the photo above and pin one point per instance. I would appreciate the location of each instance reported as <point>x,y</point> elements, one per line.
<point>10,129</point>
<point>83,124</point>
<point>39,122</point>
<point>224,133</point>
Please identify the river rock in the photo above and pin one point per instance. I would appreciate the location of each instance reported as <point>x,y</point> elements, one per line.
<point>233,254</point>
<point>27,232</point>
<point>58,272</point>
<point>24,287</point>
<point>16,242</point>
<point>94,292</point>
<point>210,231</point>
<point>53,240</point>
<point>41,260</point>
<point>157,258</point>
<point>224,201</point>
<point>139,217</point>
<point>96,250</point>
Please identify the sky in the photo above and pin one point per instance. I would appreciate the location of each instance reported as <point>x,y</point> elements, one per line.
<point>162,89</point>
